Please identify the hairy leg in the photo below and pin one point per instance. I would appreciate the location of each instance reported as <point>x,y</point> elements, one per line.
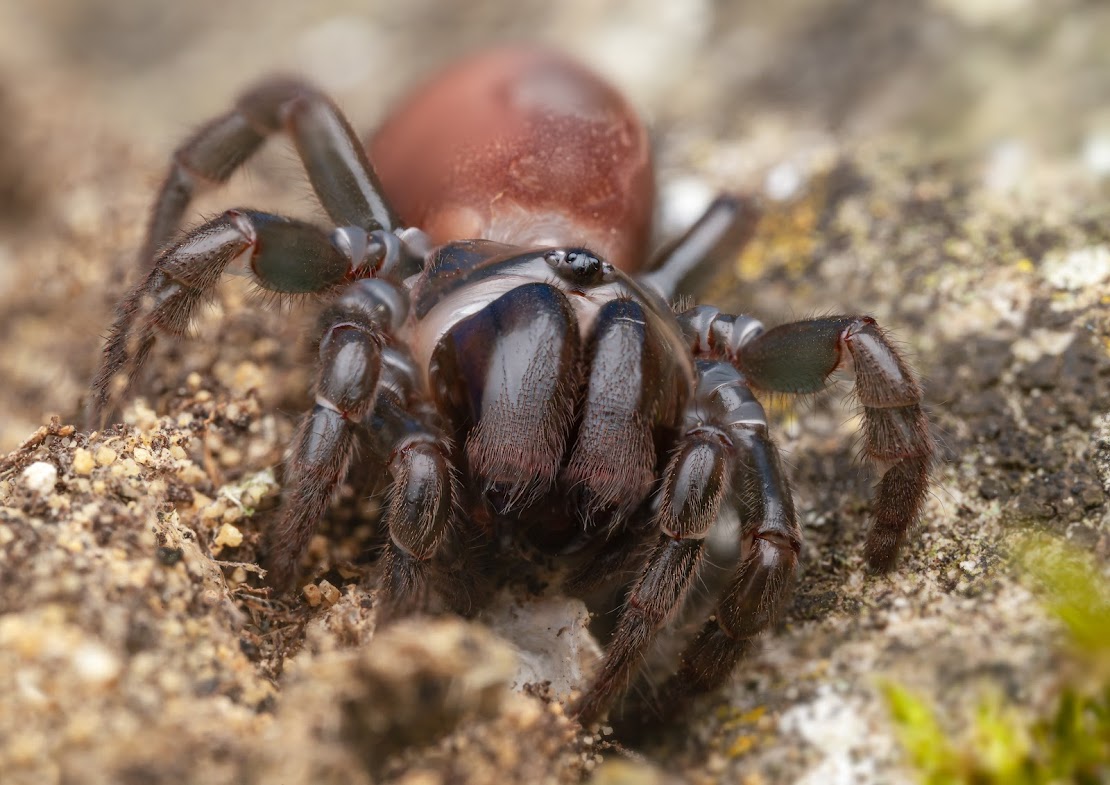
<point>332,155</point>
<point>285,255</point>
<point>355,329</point>
<point>800,357</point>
<point>420,508</point>
<point>758,591</point>
<point>724,457</point>
<point>728,223</point>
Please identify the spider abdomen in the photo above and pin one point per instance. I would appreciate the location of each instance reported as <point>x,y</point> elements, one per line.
<point>521,146</point>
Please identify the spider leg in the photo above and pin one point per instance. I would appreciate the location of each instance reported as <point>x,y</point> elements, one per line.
<point>332,155</point>
<point>757,592</point>
<point>728,222</point>
<point>421,499</point>
<point>285,256</point>
<point>362,389</point>
<point>799,358</point>
<point>723,452</point>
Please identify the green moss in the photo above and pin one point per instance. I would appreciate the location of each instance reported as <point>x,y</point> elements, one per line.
<point>1070,743</point>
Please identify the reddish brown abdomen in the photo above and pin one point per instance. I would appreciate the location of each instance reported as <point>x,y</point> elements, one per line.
<point>521,146</point>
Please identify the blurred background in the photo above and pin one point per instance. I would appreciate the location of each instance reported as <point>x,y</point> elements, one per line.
<point>961,73</point>
<point>941,164</point>
<point>95,94</point>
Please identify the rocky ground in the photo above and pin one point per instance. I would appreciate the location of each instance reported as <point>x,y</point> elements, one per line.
<point>942,166</point>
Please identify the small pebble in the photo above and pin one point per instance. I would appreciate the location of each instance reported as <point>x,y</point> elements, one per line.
<point>142,416</point>
<point>106,455</point>
<point>94,663</point>
<point>311,594</point>
<point>83,462</point>
<point>228,537</point>
<point>784,182</point>
<point>40,477</point>
<point>329,592</point>
<point>214,510</point>
<point>248,376</point>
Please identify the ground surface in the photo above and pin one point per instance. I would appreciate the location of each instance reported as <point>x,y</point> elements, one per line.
<point>943,166</point>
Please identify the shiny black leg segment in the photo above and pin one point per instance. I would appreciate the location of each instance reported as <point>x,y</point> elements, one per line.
<point>757,593</point>
<point>351,367</point>
<point>285,256</point>
<point>333,158</point>
<point>728,223</point>
<point>799,358</point>
<point>164,301</point>
<point>420,509</point>
<point>419,518</point>
<point>725,457</point>
<point>322,450</point>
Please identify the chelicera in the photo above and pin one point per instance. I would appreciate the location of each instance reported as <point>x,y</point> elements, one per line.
<point>493,338</point>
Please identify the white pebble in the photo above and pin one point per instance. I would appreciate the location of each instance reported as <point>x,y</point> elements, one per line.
<point>40,477</point>
<point>94,663</point>
<point>784,182</point>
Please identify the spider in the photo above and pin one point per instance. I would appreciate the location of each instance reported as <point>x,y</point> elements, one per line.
<point>494,340</point>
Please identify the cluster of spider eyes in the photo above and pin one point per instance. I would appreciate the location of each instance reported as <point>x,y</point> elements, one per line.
<point>579,266</point>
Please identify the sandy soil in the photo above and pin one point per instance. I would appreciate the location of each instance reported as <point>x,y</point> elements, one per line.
<point>942,166</point>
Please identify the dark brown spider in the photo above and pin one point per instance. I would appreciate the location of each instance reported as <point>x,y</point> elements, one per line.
<point>525,390</point>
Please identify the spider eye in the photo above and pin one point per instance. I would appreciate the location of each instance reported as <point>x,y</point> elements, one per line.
<point>578,266</point>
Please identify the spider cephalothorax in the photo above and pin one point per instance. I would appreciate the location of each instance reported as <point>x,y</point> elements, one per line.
<point>488,341</point>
